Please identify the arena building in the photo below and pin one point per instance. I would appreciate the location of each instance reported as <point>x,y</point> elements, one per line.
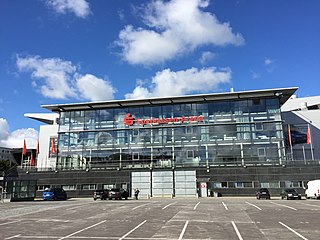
<point>231,143</point>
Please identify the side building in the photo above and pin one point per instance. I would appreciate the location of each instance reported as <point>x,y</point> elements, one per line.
<point>232,143</point>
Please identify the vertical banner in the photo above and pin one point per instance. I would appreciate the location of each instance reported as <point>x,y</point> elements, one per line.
<point>53,147</point>
<point>309,141</point>
<point>24,151</point>
<point>309,135</point>
<point>32,162</point>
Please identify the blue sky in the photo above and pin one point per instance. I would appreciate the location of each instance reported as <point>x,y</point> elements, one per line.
<point>64,51</point>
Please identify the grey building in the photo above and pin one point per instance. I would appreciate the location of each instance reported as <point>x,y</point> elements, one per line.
<point>232,143</point>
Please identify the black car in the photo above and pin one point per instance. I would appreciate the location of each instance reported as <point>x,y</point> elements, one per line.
<point>118,193</point>
<point>102,194</point>
<point>54,194</point>
<point>263,193</point>
<point>290,193</point>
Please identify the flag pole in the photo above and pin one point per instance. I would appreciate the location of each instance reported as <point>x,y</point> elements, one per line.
<point>22,159</point>
<point>290,141</point>
<point>304,155</point>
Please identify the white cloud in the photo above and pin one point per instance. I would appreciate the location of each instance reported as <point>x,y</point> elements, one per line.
<point>138,93</point>
<point>254,75</point>
<point>80,8</point>
<point>95,89</point>
<point>59,79</point>
<point>56,73</point>
<point>268,61</point>
<point>172,29</point>
<point>170,83</point>
<point>15,139</point>
<point>206,57</point>
<point>270,65</point>
<point>4,129</point>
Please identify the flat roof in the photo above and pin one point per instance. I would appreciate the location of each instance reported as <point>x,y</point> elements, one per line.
<point>283,93</point>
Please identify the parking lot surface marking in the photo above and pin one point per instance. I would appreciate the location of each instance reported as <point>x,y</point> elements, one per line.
<point>118,219</point>
<point>70,235</point>
<point>132,230</point>
<point>79,206</point>
<point>184,229</point>
<point>284,206</point>
<point>292,230</point>
<point>237,231</point>
<point>195,207</point>
<point>168,205</point>
<point>311,205</point>
<point>1,224</point>
<point>12,237</point>
<point>225,206</point>
<point>254,205</point>
<point>142,205</point>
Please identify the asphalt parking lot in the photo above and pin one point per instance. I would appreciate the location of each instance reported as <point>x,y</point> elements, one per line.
<point>161,219</point>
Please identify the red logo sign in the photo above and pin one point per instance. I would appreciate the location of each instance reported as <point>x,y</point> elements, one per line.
<point>128,120</point>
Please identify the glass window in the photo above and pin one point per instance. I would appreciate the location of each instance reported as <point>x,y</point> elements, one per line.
<point>259,126</point>
<point>108,186</point>
<point>220,108</point>
<point>89,187</point>
<point>261,152</point>
<point>269,184</point>
<point>42,187</point>
<point>176,110</point>
<point>135,156</point>
<point>167,111</point>
<point>190,154</point>
<point>64,122</point>
<point>257,105</point>
<point>69,187</point>
<point>77,120</point>
<point>238,185</point>
<point>220,184</point>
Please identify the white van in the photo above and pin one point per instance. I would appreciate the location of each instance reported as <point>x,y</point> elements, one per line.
<point>313,189</point>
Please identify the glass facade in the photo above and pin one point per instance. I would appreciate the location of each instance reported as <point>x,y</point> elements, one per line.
<point>199,134</point>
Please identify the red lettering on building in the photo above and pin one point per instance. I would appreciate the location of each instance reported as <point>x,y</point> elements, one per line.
<point>129,120</point>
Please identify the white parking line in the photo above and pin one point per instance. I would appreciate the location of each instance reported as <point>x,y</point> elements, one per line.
<point>79,206</point>
<point>236,229</point>
<point>254,206</point>
<point>195,207</point>
<point>309,205</point>
<point>168,205</point>
<point>15,236</point>
<point>183,230</point>
<point>140,206</point>
<point>1,224</point>
<point>82,230</point>
<point>295,232</point>
<point>132,230</point>
<point>225,206</point>
<point>284,206</point>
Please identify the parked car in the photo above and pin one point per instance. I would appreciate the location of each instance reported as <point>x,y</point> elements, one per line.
<point>118,193</point>
<point>263,193</point>
<point>54,194</point>
<point>101,194</point>
<point>290,193</point>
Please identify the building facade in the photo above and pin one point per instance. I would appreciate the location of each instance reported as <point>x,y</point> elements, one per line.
<point>232,143</point>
